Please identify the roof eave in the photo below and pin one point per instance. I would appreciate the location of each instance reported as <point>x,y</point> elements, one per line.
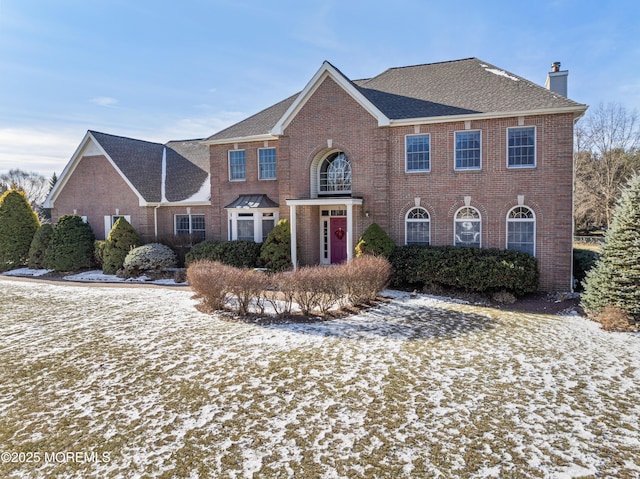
<point>240,139</point>
<point>577,111</point>
<point>327,71</point>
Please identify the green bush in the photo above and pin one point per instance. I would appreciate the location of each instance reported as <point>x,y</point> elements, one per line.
<point>71,245</point>
<point>375,241</point>
<point>469,269</point>
<point>122,238</point>
<point>152,256</point>
<point>241,254</point>
<point>98,252</point>
<point>275,252</point>
<point>615,279</point>
<point>583,261</point>
<point>18,225</point>
<point>39,245</point>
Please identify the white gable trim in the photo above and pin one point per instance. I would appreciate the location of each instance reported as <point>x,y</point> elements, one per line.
<point>327,71</point>
<point>73,163</point>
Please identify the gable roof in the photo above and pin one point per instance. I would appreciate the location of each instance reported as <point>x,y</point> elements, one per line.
<point>435,92</point>
<point>156,173</point>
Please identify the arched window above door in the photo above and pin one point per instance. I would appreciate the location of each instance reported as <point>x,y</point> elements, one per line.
<point>335,174</point>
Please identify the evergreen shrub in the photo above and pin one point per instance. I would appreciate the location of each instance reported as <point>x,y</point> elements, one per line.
<point>149,257</point>
<point>121,239</point>
<point>18,225</point>
<point>484,270</point>
<point>375,241</point>
<point>275,253</point>
<point>240,254</point>
<point>615,279</point>
<point>71,245</point>
<point>98,252</point>
<point>39,245</point>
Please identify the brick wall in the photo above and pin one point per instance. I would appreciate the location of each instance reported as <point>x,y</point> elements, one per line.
<point>332,120</point>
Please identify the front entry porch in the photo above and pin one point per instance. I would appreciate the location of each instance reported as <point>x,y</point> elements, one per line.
<point>336,231</point>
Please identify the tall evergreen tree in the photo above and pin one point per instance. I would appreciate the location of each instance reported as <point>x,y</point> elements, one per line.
<point>18,224</point>
<point>122,238</point>
<point>71,245</point>
<point>615,280</point>
<point>275,252</point>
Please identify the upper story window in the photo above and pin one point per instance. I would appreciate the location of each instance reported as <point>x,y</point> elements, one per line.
<point>417,227</point>
<point>468,150</point>
<point>417,152</point>
<point>467,227</point>
<point>267,164</point>
<point>521,147</point>
<point>237,165</point>
<point>335,174</point>
<point>521,230</point>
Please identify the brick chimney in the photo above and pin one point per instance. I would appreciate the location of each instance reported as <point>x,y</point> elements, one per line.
<point>557,80</point>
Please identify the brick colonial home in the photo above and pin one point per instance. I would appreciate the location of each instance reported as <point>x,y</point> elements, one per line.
<point>453,153</point>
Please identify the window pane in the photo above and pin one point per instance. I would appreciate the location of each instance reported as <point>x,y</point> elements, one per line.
<point>335,174</point>
<point>417,153</point>
<point>520,236</point>
<point>182,224</point>
<point>197,227</point>
<point>467,149</point>
<point>522,146</point>
<point>418,232</point>
<point>237,165</point>
<point>267,226</point>
<point>267,163</point>
<point>467,233</point>
<point>245,230</point>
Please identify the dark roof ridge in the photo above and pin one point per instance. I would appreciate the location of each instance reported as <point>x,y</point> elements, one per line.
<point>125,137</point>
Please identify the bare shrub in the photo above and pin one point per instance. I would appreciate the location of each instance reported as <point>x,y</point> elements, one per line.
<point>280,293</point>
<point>305,283</point>
<point>247,286</point>
<point>329,283</point>
<point>615,319</point>
<point>210,279</point>
<point>365,277</point>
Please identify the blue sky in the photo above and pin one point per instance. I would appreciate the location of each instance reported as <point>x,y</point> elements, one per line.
<point>166,70</point>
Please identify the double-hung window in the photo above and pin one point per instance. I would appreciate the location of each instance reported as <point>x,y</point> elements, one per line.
<point>192,225</point>
<point>521,147</point>
<point>267,164</point>
<point>237,165</point>
<point>417,153</point>
<point>468,150</point>
<point>521,230</point>
<point>417,227</point>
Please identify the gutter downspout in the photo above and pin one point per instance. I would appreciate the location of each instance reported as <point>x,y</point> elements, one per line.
<point>163,190</point>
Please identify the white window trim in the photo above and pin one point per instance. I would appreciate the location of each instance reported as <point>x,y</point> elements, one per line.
<point>535,147</point>
<point>456,220</point>
<point>406,159</point>
<point>518,220</point>
<point>407,220</point>
<point>455,151</point>
<point>258,164</point>
<point>190,215</point>
<point>229,166</point>
<point>233,214</point>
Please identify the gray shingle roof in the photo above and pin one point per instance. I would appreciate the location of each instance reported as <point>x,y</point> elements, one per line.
<point>252,201</point>
<point>458,87</point>
<point>187,165</point>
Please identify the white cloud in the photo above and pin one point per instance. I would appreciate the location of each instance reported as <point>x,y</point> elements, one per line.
<point>106,101</point>
<point>37,149</point>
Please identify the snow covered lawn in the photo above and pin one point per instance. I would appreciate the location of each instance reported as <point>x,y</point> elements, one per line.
<point>134,382</point>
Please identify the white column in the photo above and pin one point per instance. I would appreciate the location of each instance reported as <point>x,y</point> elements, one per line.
<point>349,232</point>
<point>294,249</point>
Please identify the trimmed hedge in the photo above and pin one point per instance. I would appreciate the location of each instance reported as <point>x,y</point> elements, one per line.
<point>18,225</point>
<point>375,241</point>
<point>39,245</point>
<point>275,252</point>
<point>152,256</point>
<point>470,269</point>
<point>240,254</point>
<point>71,245</point>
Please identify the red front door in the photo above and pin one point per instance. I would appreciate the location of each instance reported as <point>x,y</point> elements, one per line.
<point>338,239</point>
